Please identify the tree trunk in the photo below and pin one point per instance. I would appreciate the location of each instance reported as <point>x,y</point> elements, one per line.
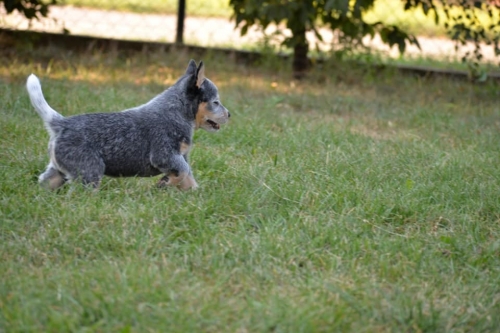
<point>181,15</point>
<point>300,63</point>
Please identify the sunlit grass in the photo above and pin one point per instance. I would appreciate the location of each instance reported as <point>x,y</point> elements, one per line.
<point>357,200</point>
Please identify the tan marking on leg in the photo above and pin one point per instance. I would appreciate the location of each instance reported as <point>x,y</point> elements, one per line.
<point>51,178</point>
<point>201,114</point>
<point>187,184</point>
<point>56,181</point>
<point>163,182</point>
<point>184,148</point>
<point>172,179</point>
<point>183,182</point>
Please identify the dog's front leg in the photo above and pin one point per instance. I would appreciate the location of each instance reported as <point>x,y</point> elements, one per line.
<point>188,183</point>
<point>173,179</point>
<point>177,173</point>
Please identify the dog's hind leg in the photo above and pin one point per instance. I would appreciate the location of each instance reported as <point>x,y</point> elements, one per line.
<point>87,165</point>
<point>91,175</point>
<point>52,178</point>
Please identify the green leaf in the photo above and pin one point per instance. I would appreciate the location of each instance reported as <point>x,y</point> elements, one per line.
<point>244,29</point>
<point>337,5</point>
<point>317,34</point>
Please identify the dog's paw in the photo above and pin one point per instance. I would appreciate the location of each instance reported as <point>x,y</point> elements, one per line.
<point>188,183</point>
<point>163,182</point>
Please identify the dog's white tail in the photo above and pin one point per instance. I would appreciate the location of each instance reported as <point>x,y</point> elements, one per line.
<point>40,104</point>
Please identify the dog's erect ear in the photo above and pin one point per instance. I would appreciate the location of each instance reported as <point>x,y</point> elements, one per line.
<point>191,70</point>
<point>200,74</point>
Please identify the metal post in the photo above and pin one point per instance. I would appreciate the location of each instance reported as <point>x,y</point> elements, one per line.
<point>181,14</point>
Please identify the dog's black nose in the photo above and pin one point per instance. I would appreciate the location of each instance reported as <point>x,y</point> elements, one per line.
<point>228,114</point>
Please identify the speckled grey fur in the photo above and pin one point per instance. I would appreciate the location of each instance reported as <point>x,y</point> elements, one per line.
<point>144,141</point>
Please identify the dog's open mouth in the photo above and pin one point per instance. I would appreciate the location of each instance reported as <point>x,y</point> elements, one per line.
<point>213,124</point>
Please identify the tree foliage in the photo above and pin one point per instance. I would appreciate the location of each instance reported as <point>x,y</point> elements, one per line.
<point>346,17</point>
<point>343,16</point>
<point>29,8</point>
<point>462,20</point>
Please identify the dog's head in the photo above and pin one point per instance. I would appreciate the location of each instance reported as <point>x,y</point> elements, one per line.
<point>210,113</point>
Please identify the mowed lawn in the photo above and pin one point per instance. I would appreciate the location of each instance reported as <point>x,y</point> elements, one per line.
<point>355,201</point>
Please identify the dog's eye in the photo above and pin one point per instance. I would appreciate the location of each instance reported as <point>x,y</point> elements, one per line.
<point>216,103</point>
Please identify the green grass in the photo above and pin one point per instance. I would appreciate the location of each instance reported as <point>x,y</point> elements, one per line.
<point>356,201</point>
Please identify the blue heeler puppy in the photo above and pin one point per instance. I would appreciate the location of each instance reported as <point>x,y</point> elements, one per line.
<point>148,140</point>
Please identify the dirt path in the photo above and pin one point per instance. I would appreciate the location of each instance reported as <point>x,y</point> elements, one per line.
<point>198,31</point>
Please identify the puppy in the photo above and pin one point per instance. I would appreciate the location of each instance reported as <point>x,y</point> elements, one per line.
<point>148,140</point>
